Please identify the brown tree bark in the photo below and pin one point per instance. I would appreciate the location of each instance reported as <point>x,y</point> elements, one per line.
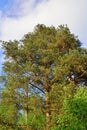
<point>48,120</point>
<point>26,111</point>
<point>26,118</point>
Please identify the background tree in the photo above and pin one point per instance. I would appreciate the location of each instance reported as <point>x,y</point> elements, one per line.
<point>74,112</point>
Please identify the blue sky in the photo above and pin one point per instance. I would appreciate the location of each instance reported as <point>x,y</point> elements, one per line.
<point>1,60</point>
<point>3,4</point>
<point>18,17</point>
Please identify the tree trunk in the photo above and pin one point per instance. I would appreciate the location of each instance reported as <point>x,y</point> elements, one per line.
<point>26,106</point>
<point>26,118</point>
<point>48,123</point>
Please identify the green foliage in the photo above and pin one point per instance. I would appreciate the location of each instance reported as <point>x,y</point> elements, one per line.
<point>74,116</point>
<point>8,117</point>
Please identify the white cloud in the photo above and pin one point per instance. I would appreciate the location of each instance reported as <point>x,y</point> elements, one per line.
<point>49,12</point>
<point>22,8</point>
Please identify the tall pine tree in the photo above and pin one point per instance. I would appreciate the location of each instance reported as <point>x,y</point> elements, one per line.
<point>48,57</point>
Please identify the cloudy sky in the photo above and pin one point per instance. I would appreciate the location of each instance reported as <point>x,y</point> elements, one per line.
<point>18,17</point>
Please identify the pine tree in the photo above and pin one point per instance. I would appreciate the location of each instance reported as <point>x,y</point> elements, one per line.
<point>42,60</point>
